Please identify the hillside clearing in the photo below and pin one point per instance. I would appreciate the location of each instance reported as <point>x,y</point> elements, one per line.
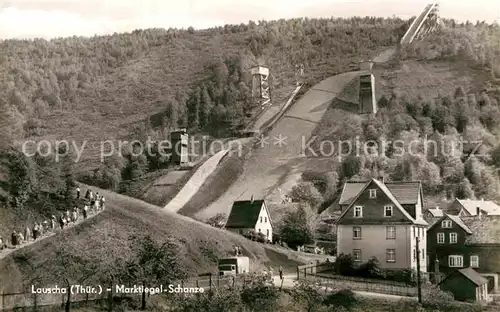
<point>106,237</point>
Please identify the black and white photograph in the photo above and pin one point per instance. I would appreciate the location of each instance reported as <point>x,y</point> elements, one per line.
<point>250,156</point>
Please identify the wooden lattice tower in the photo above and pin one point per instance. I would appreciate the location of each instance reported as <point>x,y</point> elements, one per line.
<point>261,94</point>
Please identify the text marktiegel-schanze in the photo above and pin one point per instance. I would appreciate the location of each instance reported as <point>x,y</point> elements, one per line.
<point>122,289</point>
<point>119,289</point>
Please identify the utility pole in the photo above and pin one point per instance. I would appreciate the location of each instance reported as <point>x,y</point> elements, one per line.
<point>419,282</point>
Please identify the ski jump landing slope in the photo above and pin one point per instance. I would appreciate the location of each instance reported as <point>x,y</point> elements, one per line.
<point>271,163</point>
<point>195,182</point>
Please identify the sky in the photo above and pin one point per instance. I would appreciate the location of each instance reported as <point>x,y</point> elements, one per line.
<point>62,18</point>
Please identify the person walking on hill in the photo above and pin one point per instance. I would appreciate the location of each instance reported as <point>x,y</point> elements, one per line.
<point>53,223</point>
<point>87,194</point>
<point>36,231</point>
<point>102,202</point>
<point>77,192</point>
<point>27,233</point>
<point>75,215</point>
<point>61,221</point>
<point>91,195</point>
<point>85,211</point>
<point>281,272</point>
<point>20,237</point>
<point>2,243</point>
<point>13,239</point>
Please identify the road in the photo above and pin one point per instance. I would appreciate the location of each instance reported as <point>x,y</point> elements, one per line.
<point>289,281</point>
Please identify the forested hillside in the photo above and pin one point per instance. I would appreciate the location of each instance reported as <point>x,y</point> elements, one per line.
<point>103,86</point>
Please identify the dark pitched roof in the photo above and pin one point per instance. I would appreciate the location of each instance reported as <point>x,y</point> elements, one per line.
<point>455,219</point>
<point>481,230</point>
<point>405,192</point>
<point>433,221</point>
<point>485,229</point>
<point>471,275</point>
<point>244,214</point>
<point>389,194</point>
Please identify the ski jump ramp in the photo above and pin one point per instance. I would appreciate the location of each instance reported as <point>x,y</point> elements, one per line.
<point>415,27</point>
<point>209,166</point>
<point>282,147</point>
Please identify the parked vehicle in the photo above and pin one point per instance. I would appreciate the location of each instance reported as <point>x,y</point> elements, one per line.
<point>234,265</point>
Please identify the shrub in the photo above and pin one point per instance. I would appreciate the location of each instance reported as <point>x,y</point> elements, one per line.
<point>344,265</point>
<point>344,298</point>
<point>370,269</point>
<point>219,220</point>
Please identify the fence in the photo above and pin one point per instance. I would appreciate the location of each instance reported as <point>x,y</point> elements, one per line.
<point>313,271</point>
<point>12,301</point>
<point>367,285</point>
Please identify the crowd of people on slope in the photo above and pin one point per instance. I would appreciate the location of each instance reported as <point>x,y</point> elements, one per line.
<point>93,203</point>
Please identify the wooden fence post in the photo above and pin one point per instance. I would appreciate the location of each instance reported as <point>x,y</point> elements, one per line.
<point>35,304</point>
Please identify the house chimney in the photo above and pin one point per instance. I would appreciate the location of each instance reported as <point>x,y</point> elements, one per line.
<point>482,199</point>
<point>383,180</point>
<point>478,210</point>
<point>251,199</point>
<point>437,208</point>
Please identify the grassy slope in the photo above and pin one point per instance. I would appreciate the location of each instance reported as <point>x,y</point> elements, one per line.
<point>105,238</point>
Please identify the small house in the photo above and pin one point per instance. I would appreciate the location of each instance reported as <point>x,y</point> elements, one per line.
<point>466,285</point>
<point>250,215</point>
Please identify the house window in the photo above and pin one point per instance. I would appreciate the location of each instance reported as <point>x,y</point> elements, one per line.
<point>373,193</point>
<point>260,219</point>
<point>414,254</point>
<point>390,232</point>
<point>414,232</point>
<point>423,254</point>
<point>388,211</point>
<point>356,253</point>
<point>446,224</point>
<point>260,231</point>
<point>453,238</point>
<point>455,261</point>
<point>474,261</point>
<point>440,238</point>
<point>356,232</point>
<point>358,212</point>
<point>265,219</point>
<point>390,255</point>
<point>267,233</point>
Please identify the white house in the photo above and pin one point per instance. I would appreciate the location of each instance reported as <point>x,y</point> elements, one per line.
<point>249,215</point>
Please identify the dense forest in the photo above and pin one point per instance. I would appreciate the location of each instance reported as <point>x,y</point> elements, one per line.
<point>123,85</point>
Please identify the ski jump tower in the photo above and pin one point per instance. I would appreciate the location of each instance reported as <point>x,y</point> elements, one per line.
<point>426,22</point>
<point>261,94</point>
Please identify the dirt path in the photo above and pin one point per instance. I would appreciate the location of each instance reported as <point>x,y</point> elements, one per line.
<point>5,252</point>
